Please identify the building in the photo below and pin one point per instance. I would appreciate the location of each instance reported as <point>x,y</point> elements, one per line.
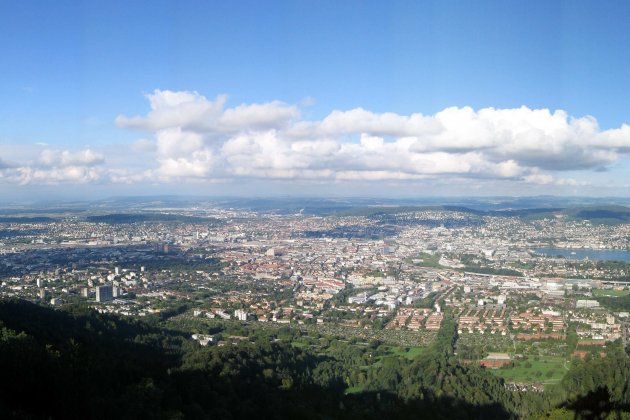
<point>104,293</point>
<point>495,360</point>
<point>586,303</point>
<point>240,314</point>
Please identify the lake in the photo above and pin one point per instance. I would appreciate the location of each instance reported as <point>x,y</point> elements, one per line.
<point>591,254</point>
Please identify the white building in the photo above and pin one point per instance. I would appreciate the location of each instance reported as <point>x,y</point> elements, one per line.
<point>240,314</point>
<point>586,303</point>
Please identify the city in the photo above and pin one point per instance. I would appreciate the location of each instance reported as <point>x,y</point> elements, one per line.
<point>387,276</point>
<point>314,210</point>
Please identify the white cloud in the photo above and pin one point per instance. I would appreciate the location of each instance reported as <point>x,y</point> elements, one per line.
<point>542,179</point>
<point>197,165</point>
<point>192,138</point>
<point>359,120</point>
<point>256,116</point>
<point>54,167</point>
<point>176,143</point>
<point>192,111</point>
<point>199,138</point>
<point>175,109</point>
<point>68,174</point>
<point>65,158</point>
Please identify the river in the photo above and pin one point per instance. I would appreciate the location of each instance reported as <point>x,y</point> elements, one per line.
<point>591,254</point>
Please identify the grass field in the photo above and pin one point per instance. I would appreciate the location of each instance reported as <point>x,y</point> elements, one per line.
<point>408,352</point>
<point>425,260</point>
<point>610,292</point>
<point>548,370</point>
<point>354,390</point>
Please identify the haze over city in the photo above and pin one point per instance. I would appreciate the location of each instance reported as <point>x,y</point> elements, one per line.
<point>313,98</point>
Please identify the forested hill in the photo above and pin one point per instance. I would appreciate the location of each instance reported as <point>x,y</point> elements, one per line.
<point>604,214</point>
<point>77,364</point>
<point>122,218</point>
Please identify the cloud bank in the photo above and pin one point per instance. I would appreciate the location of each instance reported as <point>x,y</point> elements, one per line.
<point>190,138</point>
<point>200,138</point>
<point>50,166</point>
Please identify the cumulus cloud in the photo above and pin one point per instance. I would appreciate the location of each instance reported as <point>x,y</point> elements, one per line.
<point>191,138</point>
<point>64,166</point>
<point>198,165</point>
<point>192,111</point>
<point>200,138</point>
<point>56,175</point>
<point>67,158</point>
<point>361,121</point>
<point>54,167</point>
<point>175,109</point>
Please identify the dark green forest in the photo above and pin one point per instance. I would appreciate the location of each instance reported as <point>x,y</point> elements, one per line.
<point>128,218</point>
<point>75,363</point>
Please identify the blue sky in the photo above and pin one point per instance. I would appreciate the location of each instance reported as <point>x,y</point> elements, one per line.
<point>72,68</point>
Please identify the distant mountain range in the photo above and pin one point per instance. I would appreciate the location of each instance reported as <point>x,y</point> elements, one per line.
<point>116,209</point>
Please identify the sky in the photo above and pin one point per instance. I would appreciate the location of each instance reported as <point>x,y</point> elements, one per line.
<point>323,98</point>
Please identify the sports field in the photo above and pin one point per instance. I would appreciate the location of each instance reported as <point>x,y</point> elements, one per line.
<point>547,369</point>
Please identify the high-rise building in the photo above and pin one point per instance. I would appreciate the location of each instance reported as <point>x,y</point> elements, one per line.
<point>104,293</point>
